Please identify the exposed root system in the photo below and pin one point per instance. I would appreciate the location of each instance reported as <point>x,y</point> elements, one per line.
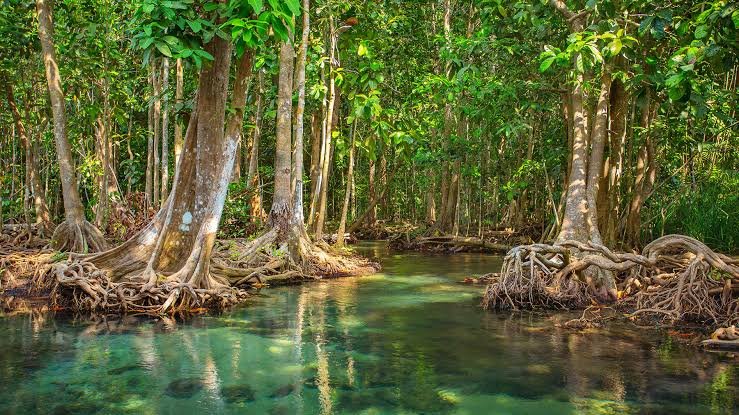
<point>78,236</point>
<point>81,285</point>
<point>19,266</point>
<point>675,279</point>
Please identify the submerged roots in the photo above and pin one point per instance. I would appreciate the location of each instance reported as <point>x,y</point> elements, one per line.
<point>675,278</point>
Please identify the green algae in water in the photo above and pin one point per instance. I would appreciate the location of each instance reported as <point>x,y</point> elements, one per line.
<point>408,341</point>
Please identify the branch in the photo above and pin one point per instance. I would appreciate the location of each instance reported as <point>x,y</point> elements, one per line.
<point>562,8</point>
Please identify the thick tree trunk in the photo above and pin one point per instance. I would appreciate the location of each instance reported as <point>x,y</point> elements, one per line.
<point>574,225</point>
<point>281,212</point>
<point>595,166</point>
<point>43,217</point>
<point>178,243</point>
<point>75,233</point>
<point>617,138</point>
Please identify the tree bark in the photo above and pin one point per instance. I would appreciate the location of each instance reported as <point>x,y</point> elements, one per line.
<point>281,212</point>
<point>321,208</point>
<point>43,217</point>
<point>255,202</point>
<point>157,78</point>
<point>165,130</point>
<point>349,179</point>
<point>75,233</point>
<point>595,166</point>
<point>298,127</point>
<point>178,95</point>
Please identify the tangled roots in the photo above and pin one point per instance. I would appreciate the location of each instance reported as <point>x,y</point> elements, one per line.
<point>81,286</point>
<point>78,236</point>
<point>676,278</point>
<point>530,279</point>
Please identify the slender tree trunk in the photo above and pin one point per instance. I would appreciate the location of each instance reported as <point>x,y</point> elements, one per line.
<point>157,77</point>
<point>178,95</point>
<point>43,217</point>
<point>165,130</point>
<point>75,234</point>
<point>315,159</point>
<point>633,224</point>
<point>321,214</point>
<point>149,194</point>
<point>256,210</point>
<point>298,127</point>
<point>349,179</point>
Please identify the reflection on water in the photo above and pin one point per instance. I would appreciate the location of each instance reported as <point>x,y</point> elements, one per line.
<point>408,341</point>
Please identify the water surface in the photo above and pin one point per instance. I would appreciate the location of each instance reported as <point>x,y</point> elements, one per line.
<point>410,340</point>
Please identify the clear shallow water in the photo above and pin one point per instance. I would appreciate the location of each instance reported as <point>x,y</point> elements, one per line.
<point>408,341</point>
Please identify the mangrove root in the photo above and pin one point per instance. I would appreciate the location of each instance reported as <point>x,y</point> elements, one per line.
<point>675,278</point>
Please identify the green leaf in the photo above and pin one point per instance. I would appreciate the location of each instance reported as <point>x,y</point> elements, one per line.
<point>163,49</point>
<point>362,50</point>
<point>646,24</point>
<point>257,5</point>
<point>171,40</point>
<point>579,64</point>
<point>615,47</point>
<point>701,31</point>
<point>546,63</point>
<point>294,7</point>
<point>194,25</point>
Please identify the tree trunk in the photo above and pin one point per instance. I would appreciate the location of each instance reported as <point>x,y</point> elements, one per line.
<point>321,208</point>
<point>178,95</point>
<point>252,177</point>
<point>157,114</point>
<point>149,189</point>
<point>165,130</point>
<point>315,159</point>
<point>641,188</point>
<point>349,179</point>
<point>595,166</point>
<point>574,225</point>
<point>281,212</point>
<point>75,233</point>
<point>43,217</point>
<point>619,112</point>
<point>178,243</point>
<point>298,127</point>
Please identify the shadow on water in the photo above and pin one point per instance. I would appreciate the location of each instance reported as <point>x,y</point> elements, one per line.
<point>409,340</point>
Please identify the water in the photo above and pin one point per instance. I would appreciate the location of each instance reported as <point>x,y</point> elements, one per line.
<point>408,341</point>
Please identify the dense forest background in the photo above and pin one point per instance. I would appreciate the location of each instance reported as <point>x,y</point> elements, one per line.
<point>453,114</point>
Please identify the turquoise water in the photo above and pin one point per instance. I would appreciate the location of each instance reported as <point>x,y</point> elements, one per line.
<point>408,341</point>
